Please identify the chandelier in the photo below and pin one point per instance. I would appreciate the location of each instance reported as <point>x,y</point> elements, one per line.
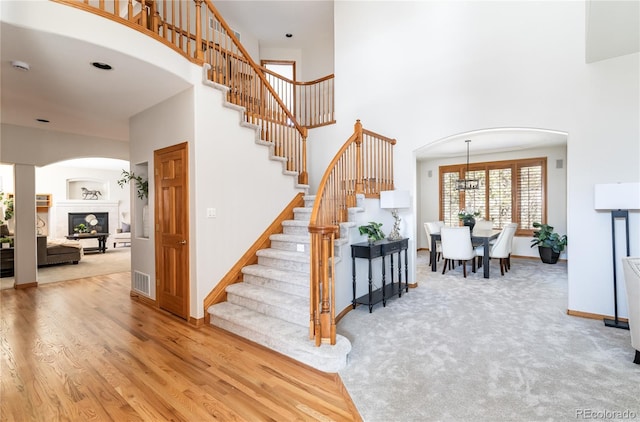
<point>467,184</point>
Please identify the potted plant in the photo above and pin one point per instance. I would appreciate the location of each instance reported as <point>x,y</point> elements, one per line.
<point>142,185</point>
<point>468,217</point>
<point>8,211</point>
<point>81,228</point>
<point>550,244</point>
<point>6,242</point>
<point>372,230</point>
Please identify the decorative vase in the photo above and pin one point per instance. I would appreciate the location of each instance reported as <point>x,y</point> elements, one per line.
<point>547,255</point>
<point>145,221</point>
<point>11,225</point>
<point>469,222</point>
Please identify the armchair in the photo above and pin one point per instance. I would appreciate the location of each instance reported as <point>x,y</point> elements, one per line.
<point>123,234</point>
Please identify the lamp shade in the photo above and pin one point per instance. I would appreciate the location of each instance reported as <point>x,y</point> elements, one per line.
<point>394,199</point>
<point>617,196</point>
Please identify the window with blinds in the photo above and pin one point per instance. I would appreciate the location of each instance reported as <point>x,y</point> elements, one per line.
<point>510,191</point>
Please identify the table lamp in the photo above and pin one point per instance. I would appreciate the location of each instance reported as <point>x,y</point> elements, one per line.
<point>394,200</point>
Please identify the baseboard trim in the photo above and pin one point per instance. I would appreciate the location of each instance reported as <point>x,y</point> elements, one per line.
<point>25,285</point>
<point>143,299</point>
<point>592,316</point>
<point>343,313</point>
<point>196,322</point>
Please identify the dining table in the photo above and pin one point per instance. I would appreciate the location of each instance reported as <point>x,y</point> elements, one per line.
<point>478,237</point>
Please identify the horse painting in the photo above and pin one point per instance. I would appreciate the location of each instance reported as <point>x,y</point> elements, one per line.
<point>90,194</point>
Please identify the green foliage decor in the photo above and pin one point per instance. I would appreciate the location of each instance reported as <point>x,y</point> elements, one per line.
<point>81,228</point>
<point>372,230</point>
<point>547,238</point>
<point>142,185</point>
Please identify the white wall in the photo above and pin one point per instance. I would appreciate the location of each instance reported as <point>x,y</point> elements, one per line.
<point>41,147</point>
<point>234,175</point>
<point>463,66</point>
<point>168,123</point>
<point>428,191</point>
<point>228,171</point>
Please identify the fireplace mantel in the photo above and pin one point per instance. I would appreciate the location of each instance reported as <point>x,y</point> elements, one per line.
<point>64,207</point>
<point>86,203</point>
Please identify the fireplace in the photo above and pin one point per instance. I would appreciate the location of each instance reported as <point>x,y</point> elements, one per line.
<point>101,226</point>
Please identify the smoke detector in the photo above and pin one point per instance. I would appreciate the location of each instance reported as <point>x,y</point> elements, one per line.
<point>20,65</point>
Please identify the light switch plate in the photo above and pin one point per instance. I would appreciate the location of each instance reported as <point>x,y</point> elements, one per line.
<point>211,213</point>
<point>299,247</point>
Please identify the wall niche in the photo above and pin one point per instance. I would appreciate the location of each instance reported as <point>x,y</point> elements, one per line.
<point>87,189</point>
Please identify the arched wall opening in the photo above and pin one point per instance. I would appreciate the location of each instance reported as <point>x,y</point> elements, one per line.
<point>488,145</point>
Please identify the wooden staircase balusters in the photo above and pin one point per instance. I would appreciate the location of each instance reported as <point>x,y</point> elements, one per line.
<point>173,22</point>
<point>364,156</point>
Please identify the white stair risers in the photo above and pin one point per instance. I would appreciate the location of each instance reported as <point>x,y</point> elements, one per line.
<point>284,260</point>
<point>290,242</point>
<point>273,278</point>
<point>287,307</point>
<point>271,305</point>
<point>291,340</point>
<point>303,214</point>
<point>297,227</point>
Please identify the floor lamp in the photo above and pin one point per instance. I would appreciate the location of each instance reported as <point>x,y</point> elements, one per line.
<point>618,198</point>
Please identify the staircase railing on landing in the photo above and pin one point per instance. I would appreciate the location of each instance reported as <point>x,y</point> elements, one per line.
<point>364,165</point>
<point>311,102</point>
<point>197,30</point>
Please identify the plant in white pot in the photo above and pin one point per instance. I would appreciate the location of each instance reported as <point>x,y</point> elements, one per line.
<point>550,244</point>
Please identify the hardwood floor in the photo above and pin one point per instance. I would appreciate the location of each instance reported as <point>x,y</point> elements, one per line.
<point>83,350</point>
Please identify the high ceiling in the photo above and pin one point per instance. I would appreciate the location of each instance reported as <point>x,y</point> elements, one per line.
<point>75,97</point>
<point>270,21</point>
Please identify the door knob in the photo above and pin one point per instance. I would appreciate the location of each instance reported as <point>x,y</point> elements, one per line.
<point>182,242</point>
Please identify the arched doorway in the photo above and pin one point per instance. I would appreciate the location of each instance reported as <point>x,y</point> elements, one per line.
<point>492,145</point>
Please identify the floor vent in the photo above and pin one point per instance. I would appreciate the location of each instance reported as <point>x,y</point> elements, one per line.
<point>141,282</point>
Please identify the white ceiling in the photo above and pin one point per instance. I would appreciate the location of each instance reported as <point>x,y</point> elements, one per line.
<point>270,21</point>
<point>64,88</point>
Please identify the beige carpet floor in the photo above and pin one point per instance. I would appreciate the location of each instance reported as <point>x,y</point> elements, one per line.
<point>502,349</point>
<point>114,260</point>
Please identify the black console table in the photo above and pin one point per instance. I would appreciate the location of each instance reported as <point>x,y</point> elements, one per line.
<point>380,249</point>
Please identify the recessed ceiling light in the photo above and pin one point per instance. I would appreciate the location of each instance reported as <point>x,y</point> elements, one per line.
<point>288,35</point>
<point>102,66</point>
<point>16,64</point>
<point>42,120</point>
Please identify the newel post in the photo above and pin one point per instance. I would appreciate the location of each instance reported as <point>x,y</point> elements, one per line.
<point>357,129</point>
<point>303,177</point>
<point>322,287</point>
<point>199,53</point>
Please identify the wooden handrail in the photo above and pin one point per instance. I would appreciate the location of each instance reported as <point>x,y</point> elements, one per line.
<point>364,165</point>
<point>312,102</point>
<point>196,30</point>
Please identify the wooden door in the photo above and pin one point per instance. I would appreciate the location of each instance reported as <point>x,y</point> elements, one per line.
<point>172,229</point>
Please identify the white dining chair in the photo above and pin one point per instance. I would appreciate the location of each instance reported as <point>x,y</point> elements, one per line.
<point>483,225</point>
<point>501,248</point>
<point>456,246</point>
<point>433,227</point>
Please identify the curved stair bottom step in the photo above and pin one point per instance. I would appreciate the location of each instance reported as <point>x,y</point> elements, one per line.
<point>288,339</point>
